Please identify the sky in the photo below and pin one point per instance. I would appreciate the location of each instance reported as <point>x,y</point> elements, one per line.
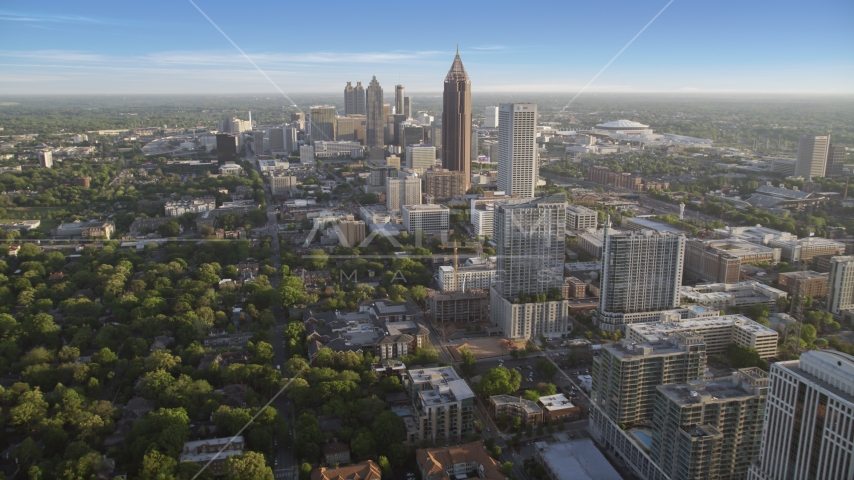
<point>165,47</point>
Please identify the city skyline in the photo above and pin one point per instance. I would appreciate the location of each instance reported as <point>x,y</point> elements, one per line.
<point>60,49</point>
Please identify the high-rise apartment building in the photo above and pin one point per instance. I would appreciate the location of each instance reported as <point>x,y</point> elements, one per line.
<point>351,231</point>
<point>809,419</point>
<point>420,158</point>
<point>835,161</point>
<point>375,116</point>
<point>812,156</point>
<point>840,287</point>
<point>291,138</point>
<point>321,123</point>
<point>641,272</point>
<point>625,374</point>
<point>403,191</point>
<point>456,120</point>
<point>398,100</point>
<point>46,158</point>
<point>531,238</point>
<point>407,107</point>
<point>491,120</point>
<point>517,149</point>
<point>526,301</point>
<point>710,429</point>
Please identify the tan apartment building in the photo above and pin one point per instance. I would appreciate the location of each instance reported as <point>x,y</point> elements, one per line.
<point>720,260</point>
<point>804,283</point>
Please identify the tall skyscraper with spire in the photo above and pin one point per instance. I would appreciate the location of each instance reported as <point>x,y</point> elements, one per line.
<point>375,117</point>
<point>456,120</point>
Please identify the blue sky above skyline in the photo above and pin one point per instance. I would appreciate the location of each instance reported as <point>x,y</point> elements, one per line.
<point>169,47</point>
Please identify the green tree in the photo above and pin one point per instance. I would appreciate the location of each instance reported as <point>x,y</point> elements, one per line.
<point>385,466</point>
<point>247,465</point>
<point>305,471</point>
<point>169,229</point>
<point>468,364</point>
<point>547,368</point>
<point>808,333</point>
<point>507,468</point>
<point>499,381</point>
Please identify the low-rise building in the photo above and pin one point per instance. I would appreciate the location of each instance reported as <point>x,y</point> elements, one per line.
<point>335,453</point>
<point>718,333</point>
<point>222,339</point>
<point>469,460</point>
<point>557,406</point>
<point>367,470</point>
<point>804,283</point>
<point>283,184</point>
<point>720,260</point>
<point>147,225</point>
<point>580,218</point>
<point>574,460</point>
<point>592,244</point>
<point>230,168</point>
<point>89,229</point>
<point>188,204</point>
<point>209,453</point>
<point>529,412</point>
<point>721,296</point>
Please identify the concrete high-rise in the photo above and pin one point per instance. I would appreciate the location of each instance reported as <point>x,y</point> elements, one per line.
<point>809,419</point>
<point>361,98</point>
<point>407,107</point>
<point>420,158</point>
<point>456,120</point>
<point>517,149</point>
<point>226,148</point>
<point>491,120</point>
<point>375,116</point>
<point>321,123</point>
<point>398,100</point>
<point>710,429</point>
<point>349,99</point>
<point>474,143</point>
<point>835,161</point>
<point>526,301</point>
<point>840,287</point>
<point>812,156</point>
<point>403,191</point>
<point>277,140</point>
<point>436,136</point>
<point>46,158</point>
<point>641,272</point>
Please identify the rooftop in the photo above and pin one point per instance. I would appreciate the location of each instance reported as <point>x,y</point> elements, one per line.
<point>616,124</point>
<point>427,207</point>
<point>529,406</point>
<point>806,275</point>
<point>435,462</point>
<point>555,402</point>
<point>577,460</point>
<point>719,389</point>
<point>662,330</point>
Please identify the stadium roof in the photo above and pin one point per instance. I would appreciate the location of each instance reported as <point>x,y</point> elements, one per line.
<point>621,124</point>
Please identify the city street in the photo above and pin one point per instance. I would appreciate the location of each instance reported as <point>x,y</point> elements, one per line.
<point>283,457</point>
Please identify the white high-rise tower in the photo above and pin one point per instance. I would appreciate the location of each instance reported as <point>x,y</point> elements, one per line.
<point>517,149</point>
<point>809,419</point>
